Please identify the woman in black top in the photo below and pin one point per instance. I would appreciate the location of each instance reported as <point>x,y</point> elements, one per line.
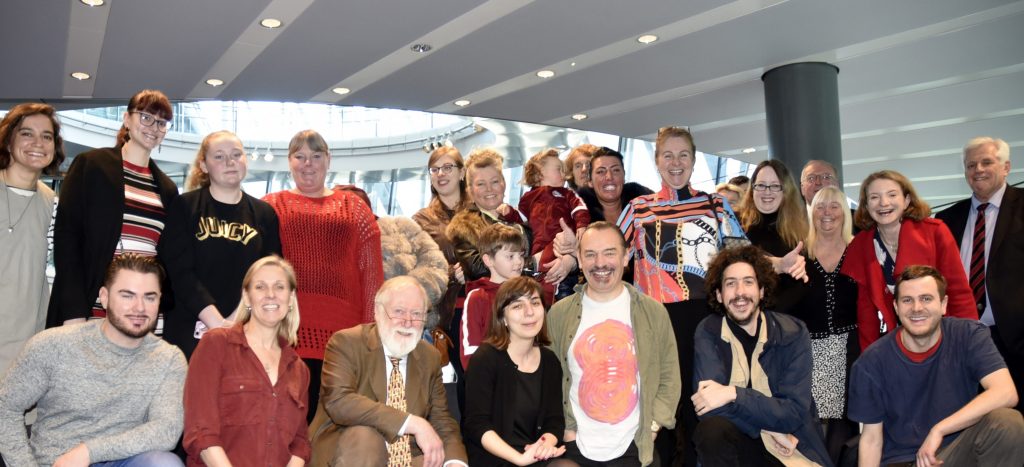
<point>513,388</point>
<point>96,221</point>
<point>829,307</point>
<point>214,233</point>
<point>775,219</point>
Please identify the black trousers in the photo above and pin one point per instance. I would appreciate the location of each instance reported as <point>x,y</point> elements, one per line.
<point>1014,363</point>
<point>721,444</point>
<point>675,447</point>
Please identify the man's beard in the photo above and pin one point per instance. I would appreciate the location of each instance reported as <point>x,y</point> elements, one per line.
<point>122,326</point>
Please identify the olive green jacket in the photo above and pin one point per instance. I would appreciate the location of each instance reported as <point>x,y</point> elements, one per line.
<point>657,361</point>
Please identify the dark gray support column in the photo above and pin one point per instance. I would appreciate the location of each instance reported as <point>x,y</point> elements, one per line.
<point>802,105</point>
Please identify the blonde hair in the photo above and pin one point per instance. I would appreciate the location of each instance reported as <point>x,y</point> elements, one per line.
<point>288,328</point>
<point>532,170</point>
<point>829,194</point>
<point>482,159</point>
<point>669,132</point>
<point>196,177</point>
<point>792,223</point>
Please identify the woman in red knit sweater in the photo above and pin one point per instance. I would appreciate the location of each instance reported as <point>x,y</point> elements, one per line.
<point>332,239</point>
<point>896,232</point>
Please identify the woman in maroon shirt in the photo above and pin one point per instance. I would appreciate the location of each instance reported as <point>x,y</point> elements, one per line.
<point>245,395</point>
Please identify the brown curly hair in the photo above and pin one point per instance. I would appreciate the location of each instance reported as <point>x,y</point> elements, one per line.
<point>532,176</point>
<point>750,254</point>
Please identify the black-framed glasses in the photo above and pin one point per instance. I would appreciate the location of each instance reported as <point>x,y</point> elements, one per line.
<point>446,169</point>
<point>823,178</point>
<point>149,120</point>
<point>405,315</point>
<point>774,187</point>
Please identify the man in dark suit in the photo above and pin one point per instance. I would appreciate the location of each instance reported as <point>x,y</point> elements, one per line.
<point>996,275</point>
<point>356,422</point>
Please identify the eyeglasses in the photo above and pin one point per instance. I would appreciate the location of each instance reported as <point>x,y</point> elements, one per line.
<point>823,178</point>
<point>406,315</point>
<point>149,120</point>
<point>445,169</point>
<point>774,187</point>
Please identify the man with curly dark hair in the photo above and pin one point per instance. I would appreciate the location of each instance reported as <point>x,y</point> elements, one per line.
<point>752,372</point>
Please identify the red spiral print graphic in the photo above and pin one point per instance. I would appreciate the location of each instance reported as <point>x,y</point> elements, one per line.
<point>608,391</point>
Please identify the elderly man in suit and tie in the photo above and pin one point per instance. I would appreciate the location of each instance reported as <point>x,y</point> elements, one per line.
<point>989,227</point>
<point>382,401</point>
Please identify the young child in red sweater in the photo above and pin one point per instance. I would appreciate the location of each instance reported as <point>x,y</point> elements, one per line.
<point>545,204</point>
<point>503,251</point>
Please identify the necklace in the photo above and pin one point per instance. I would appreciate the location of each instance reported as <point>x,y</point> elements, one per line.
<point>11,223</point>
<point>892,246</point>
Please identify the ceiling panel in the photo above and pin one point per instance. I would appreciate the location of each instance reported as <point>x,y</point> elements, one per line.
<point>755,41</point>
<point>533,37</point>
<point>32,57</point>
<point>167,45</point>
<point>332,40</point>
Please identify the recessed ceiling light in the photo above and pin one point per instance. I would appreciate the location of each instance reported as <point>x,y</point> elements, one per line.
<point>462,102</point>
<point>647,38</point>
<point>81,75</point>
<point>748,150</point>
<point>215,82</point>
<point>341,91</point>
<point>545,74</point>
<point>93,2</point>
<point>270,23</point>
<point>421,48</point>
<point>579,116</point>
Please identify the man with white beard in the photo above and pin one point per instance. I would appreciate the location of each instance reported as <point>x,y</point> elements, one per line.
<point>382,401</point>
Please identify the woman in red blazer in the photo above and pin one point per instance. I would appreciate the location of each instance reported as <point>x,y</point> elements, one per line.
<point>896,232</point>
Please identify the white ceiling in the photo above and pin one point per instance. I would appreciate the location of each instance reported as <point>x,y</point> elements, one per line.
<point>918,78</point>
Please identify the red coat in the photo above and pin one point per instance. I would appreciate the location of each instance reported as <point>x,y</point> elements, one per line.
<point>927,242</point>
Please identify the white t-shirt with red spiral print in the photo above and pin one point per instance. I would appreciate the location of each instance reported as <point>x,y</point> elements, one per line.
<point>605,394</point>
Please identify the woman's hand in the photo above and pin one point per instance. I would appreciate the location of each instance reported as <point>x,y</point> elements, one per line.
<point>559,268</point>
<point>457,273</point>
<point>793,264</point>
<point>542,450</point>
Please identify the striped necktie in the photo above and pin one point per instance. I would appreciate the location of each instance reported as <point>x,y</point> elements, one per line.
<point>977,272</point>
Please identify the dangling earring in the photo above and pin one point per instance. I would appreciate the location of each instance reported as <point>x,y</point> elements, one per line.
<point>248,309</point>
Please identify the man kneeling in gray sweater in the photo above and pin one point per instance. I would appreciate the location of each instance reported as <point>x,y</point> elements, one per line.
<point>107,392</point>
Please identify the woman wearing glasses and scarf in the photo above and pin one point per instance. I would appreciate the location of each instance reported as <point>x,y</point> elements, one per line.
<point>112,201</point>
